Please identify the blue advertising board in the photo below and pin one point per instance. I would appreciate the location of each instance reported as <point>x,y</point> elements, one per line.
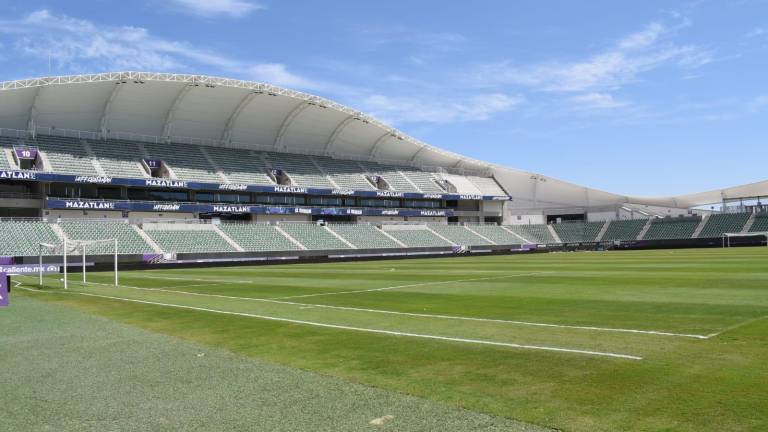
<point>4,280</point>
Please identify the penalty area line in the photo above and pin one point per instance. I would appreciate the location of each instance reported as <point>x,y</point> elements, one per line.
<point>358,329</point>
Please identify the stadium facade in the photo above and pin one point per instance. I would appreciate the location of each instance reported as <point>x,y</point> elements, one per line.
<point>142,146</point>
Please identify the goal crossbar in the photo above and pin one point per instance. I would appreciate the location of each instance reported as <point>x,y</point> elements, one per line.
<point>727,236</point>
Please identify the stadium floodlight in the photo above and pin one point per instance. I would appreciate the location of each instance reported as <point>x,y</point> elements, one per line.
<point>72,247</point>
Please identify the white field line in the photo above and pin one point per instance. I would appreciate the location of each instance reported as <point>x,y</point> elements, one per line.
<point>411,285</point>
<point>421,315</point>
<point>735,326</point>
<point>360,329</point>
<point>189,279</point>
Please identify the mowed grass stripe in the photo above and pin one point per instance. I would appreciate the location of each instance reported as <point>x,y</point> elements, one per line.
<point>359,329</point>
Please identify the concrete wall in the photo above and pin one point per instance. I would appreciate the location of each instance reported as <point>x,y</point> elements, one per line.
<point>53,214</point>
<point>283,218</point>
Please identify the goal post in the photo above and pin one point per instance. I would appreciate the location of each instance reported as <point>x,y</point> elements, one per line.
<point>68,249</point>
<point>728,236</point>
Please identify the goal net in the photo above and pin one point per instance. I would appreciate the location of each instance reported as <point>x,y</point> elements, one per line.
<point>732,239</point>
<point>75,253</point>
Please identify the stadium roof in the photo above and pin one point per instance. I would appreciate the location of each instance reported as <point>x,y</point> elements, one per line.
<point>235,113</point>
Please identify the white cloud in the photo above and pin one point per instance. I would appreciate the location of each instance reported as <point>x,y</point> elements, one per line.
<point>415,110</point>
<point>593,101</point>
<point>77,45</point>
<point>757,32</point>
<point>215,8</point>
<point>611,69</point>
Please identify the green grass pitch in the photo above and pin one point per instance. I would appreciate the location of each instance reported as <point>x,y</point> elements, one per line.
<point>651,340</point>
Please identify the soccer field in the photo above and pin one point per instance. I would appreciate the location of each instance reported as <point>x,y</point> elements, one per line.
<point>671,339</point>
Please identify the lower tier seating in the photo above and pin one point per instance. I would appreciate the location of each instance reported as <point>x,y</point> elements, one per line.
<point>761,223</point>
<point>418,238</point>
<point>536,233</point>
<point>575,232</point>
<point>496,234</point>
<point>257,237</point>
<point>624,229</point>
<point>668,229</point>
<point>719,224</point>
<point>459,235</point>
<point>364,236</point>
<point>128,240</point>
<point>313,236</point>
<point>189,241</point>
<point>23,238</point>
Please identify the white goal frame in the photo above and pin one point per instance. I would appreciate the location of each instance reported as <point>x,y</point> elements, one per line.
<point>727,237</point>
<point>66,248</point>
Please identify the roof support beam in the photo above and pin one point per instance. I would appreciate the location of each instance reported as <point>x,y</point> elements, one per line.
<point>167,128</point>
<point>415,155</point>
<point>337,131</point>
<point>226,136</point>
<point>32,116</point>
<point>105,113</point>
<point>301,106</point>
<point>379,141</point>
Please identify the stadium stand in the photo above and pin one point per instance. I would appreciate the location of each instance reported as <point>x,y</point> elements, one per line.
<point>346,174</point>
<point>186,161</point>
<point>487,186</point>
<point>393,177</point>
<point>118,158</point>
<point>672,228</point>
<point>65,155</point>
<point>719,224</point>
<point>574,232</point>
<point>363,236</point>
<point>537,233</point>
<point>496,234</point>
<point>312,236</point>
<point>22,237</point>
<point>459,235</point>
<point>6,143</point>
<point>624,229</point>
<point>421,237</point>
<point>128,241</point>
<point>257,237</point>
<point>241,166</point>
<point>300,168</point>
<point>423,180</point>
<point>172,239</point>
<point>761,223</point>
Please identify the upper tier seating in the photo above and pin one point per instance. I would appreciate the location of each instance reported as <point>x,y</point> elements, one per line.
<point>423,180</point>
<point>536,233</point>
<point>186,161</point>
<point>624,229</point>
<point>312,236</point>
<point>363,236</point>
<point>418,238</point>
<point>128,240</point>
<point>21,238</point>
<point>65,155</point>
<point>118,158</point>
<point>496,234</point>
<point>487,186</point>
<point>719,224</point>
<point>189,240</point>
<point>761,223</point>
<point>6,143</point>
<point>459,235</point>
<point>396,180</point>
<point>669,228</point>
<point>257,237</point>
<point>346,174</point>
<point>241,166</point>
<point>300,168</point>
<point>575,232</point>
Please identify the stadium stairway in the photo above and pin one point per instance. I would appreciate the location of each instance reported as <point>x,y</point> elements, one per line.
<point>602,231</point>
<point>459,235</point>
<point>716,225</point>
<point>624,230</point>
<point>554,234</point>
<point>228,239</point>
<point>644,231</point>
<point>258,237</point>
<point>496,234</point>
<point>750,222</point>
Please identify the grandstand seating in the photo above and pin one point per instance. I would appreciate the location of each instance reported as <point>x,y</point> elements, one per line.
<point>761,223</point>
<point>487,185</point>
<point>672,228</point>
<point>496,234</point>
<point>346,174</point>
<point>300,168</point>
<point>418,238</point>
<point>241,166</point>
<point>65,155</point>
<point>189,240</point>
<point>5,143</point>
<point>719,224</point>
<point>257,237</point>
<point>423,180</point>
<point>396,180</point>
<point>459,235</point>
<point>129,242</point>
<point>624,229</point>
<point>118,158</point>
<point>536,233</point>
<point>186,161</point>
<point>363,236</point>
<point>574,232</point>
<point>312,236</point>
<point>21,238</point>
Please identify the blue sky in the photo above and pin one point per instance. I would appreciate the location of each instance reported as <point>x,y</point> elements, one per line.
<point>644,98</point>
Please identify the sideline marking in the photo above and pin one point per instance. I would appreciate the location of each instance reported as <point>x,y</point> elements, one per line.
<point>735,326</point>
<point>414,314</point>
<point>411,285</point>
<point>360,329</point>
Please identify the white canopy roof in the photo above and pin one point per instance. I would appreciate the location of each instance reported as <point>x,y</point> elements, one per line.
<point>235,113</point>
